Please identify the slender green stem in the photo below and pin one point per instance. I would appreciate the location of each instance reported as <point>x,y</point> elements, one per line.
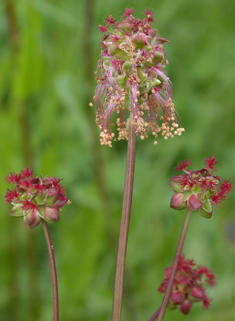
<point>53,271</point>
<point>174,267</point>
<point>124,226</point>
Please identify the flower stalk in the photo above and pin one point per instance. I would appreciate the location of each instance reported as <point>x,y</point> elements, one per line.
<point>124,226</point>
<point>174,267</point>
<point>53,272</point>
<point>38,200</point>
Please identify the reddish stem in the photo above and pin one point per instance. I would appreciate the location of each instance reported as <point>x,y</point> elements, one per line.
<point>124,226</point>
<point>53,271</point>
<point>174,267</point>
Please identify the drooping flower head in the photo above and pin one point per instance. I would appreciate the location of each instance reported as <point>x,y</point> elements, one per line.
<point>133,80</point>
<point>34,198</point>
<point>189,285</point>
<point>198,190</point>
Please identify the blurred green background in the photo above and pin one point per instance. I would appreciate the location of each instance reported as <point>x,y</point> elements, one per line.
<point>48,54</point>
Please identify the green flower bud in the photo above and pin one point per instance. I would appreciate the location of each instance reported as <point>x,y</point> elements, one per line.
<point>158,57</point>
<point>175,185</point>
<point>127,66</point>
<point>16,210</point>
<point>121,80</point>
<point>139,40</point>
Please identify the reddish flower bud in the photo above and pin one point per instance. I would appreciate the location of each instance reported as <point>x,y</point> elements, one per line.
<point>177,202</point>
<point>185,307</point>
<point>34,198</point>
<point>188,286</point>
<point>199,188</point>
<point>32,217</point>
<point>177,297</point>
<point>194,202</point>
<point>51,214</point>
<point>197,294</point>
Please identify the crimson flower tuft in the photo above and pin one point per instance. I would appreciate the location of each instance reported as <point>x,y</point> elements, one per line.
<point>189,285</point>
<point>34,198</point>
<point>110,20</point>
<point>198,190</point>
<point>182,165</point>
<point>210,163</point>
<point>133,82</point>
<point>128,12</point>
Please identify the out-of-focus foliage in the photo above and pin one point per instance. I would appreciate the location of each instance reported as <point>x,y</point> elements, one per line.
<point>45,87</point>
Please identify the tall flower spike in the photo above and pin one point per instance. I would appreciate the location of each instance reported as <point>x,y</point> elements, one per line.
<point>189,285</point>
<point>198,190</point>
<point>133,79</point>
<point>35,199</point>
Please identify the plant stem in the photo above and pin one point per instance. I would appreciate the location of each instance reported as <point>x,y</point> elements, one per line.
<point>174,267</point>
<point>53,271</point>
<point>124,226</point>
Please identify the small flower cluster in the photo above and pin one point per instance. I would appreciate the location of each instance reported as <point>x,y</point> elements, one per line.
<point>34,198</point>
<point>133,80</point>
<point>198,190</point>
<point>188,287</point>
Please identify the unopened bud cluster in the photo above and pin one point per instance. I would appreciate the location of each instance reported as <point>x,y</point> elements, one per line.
<point>133,80</point>
<point>198,190</point>
<point>189,285</point>
<point>34,198</point>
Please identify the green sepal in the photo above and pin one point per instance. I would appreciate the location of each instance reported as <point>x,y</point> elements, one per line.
<point>196,189</point>
<point>176,186</point>
<point>156,82</point>
<point>207,206</point>
<point>113,49</point>
<point>158,57</point>
<point>118,53</point>
<point>126,67</point>
<point>161,79</point>
<point>106,61</point>
<point>127,102</point>
<point>123,27</point>
<point>187,194</point>
<point>138,40</point>
<point>41,211</point>
<point>16,210</point>
<point>121,80</point>
<point>40,199</point>
<point>204,213</point>
<point>141,74</point>
<point>50,200</point>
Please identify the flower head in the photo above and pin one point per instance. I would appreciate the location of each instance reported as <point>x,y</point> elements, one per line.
<point>133,80</point>
<point>34,198</point>
<point>188,286</point>
<point>198,190</point>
